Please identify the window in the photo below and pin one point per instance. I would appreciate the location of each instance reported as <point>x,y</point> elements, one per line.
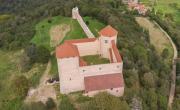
<point>84,70</point>
<point>106,41</point>
<point>70,79</point>
<point>118,66</point>
<point>111,88</point>
<point>100,68</point>
<point>116,90</point>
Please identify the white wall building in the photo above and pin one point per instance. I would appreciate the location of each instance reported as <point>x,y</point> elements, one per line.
<point>76,75</point>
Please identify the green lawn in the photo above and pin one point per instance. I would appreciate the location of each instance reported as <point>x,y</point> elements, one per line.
<point>95,59</point>
<point>42,36</point>
<point>54,68</point>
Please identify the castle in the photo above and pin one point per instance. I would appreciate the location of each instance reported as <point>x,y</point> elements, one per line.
<point>77,75</point>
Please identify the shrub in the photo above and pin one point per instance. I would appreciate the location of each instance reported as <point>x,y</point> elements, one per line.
<point>20,85</point>
<point>165,53</point>
<point>25,63</point>
<point>65,104</point>
<point>50,104</point>
<point>37,54</point>
<point>43,54</point>
<point>105,101</point>
<point>34,106</point>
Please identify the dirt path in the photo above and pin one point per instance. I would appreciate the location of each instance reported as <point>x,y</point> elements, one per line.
<point>43,91</point>
<point>175,53</point>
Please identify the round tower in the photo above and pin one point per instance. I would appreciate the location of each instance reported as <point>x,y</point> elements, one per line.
<point>107,36</point>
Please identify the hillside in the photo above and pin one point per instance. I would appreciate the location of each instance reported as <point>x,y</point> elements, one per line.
<point>145,72</point>
<point>43,28</point>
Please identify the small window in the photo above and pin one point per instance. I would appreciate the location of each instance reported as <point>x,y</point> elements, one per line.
<point>111,88</point>
<point>118,66</point>
<point>99,68</point>
<point>70,79</point>
<point>117,91</point>
<point>106,41</point>
<point>84,70</point>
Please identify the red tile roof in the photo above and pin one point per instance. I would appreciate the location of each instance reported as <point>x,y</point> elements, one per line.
<point>116,52</point>
<point>108,31</point>
<point>81,40</point>
<point>101,82</point>
<point>66,50</point>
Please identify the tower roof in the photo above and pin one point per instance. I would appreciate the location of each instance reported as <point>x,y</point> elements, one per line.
<point>108,31</point>
<point>66,50</point>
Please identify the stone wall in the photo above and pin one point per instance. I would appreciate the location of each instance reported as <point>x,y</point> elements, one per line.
<point>88,48</point>
<point>101,69</point>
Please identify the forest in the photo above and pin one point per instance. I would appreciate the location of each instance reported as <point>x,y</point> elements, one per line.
<point>147,76</point>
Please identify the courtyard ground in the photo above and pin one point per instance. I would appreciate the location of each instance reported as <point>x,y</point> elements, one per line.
<point>95,60</point>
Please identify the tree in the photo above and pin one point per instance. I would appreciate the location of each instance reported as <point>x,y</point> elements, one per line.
<point>152,99</point>
<point>162,102</point>
<point>148,80</point>
<point>43,55</point>
<point>20,85</point>
<point>176,104</point>
<point>37,54</point>
<point>139,53</point>
<point>165,53</point>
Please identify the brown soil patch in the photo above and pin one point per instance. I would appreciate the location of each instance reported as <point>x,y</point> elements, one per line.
<point>57,34</point>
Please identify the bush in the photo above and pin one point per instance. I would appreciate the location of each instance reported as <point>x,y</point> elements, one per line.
<point>34,106</point>
<point>149,80</point>
<point>50,104</point>
<point>65,104</point>
<point>37,54</point>
<point>43,54</point>
<point>105,101</point>
<point>165,53</point>
<point>25,63</point>
<point>20,86</point>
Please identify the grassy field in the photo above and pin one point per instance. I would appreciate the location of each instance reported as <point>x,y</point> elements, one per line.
<point>9,67</point>
<point>166,6</point>
<point>42,36</point>
<point>95,59</point>
<point>157,38</point>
